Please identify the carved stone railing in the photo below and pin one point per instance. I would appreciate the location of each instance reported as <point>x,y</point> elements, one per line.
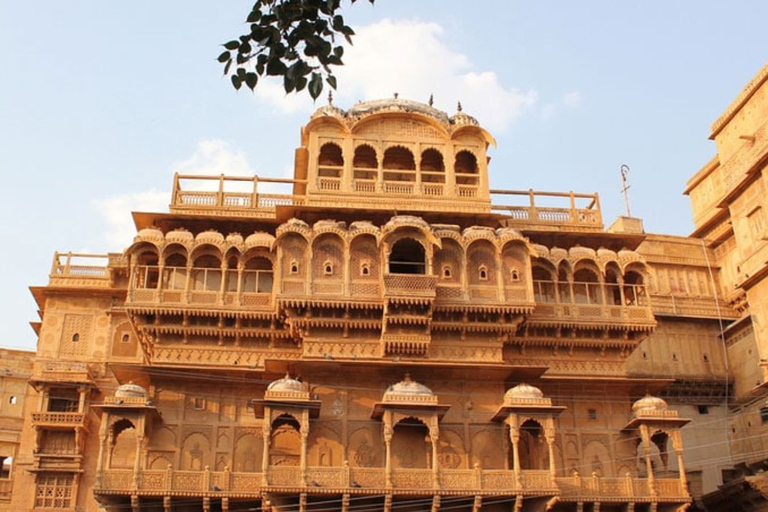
<point>594,488</point>
<point>77,269</point>
<point>590,313</point>
<point>233,195</point>
<point>59,419</point>
<point>576,488</point>
<point>571,215</point>
<point>702,307</point>
<point>412,285</point>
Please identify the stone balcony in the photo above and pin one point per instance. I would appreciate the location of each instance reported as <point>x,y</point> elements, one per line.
<point>354,480</point>
<point>59,420</point>
<point>64,372</point>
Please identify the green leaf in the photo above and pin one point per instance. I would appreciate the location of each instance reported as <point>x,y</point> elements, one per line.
<point>331,81</point>
<point>227,66</point>
<point>251,80</point>
<point>289,83</point>
<point>315,85</point>
<point>237,82</point>
<point>232,45</point>
<point>224,57</point>
<point>275,67</point>
<point>254,15</point>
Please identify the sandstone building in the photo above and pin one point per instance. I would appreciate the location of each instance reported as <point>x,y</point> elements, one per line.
<point>386,331</point>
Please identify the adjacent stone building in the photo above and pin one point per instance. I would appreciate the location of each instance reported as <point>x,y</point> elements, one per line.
<point>386,331</point>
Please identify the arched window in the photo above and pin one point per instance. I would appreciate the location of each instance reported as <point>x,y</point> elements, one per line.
<point>407,257</point>
<point>175,272</point>
<point>365,165</point>
<point>432,166</point>
<point>206,273</point>
<point>330,162</point>
<point>543,285</point>
<point>586,287</point>
<point>365,269</point>
<point>482,273</point>
<point>634,289</point>
<point>257,275</point>
<point>447,274</point>
<point>465,167</point>
<point>399,165</point>
<point>328,268</point>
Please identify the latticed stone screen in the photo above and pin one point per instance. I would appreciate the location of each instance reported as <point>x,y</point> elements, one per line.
<point>54,490</point>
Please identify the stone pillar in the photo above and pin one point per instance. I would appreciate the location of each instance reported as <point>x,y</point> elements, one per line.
<point>304,431</point>
<point>388,432</point>
<point>434,437</point>
<point>514,437</point>
<point>266,432</point>
<point>137,462</point>
<point>550,436</point>
<point>646,438</point>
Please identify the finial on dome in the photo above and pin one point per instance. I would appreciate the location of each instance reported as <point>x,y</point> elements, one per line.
<point>431,99</point>
<point>330,97</point>
<point>458,107</point>
<point>397,94</point>
<point>407,377</point>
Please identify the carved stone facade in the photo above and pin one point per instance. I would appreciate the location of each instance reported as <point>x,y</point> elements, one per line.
<point>385,331</point>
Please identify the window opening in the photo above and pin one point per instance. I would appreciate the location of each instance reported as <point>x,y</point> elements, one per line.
<point>515,274</point>
<point>447,272</point>
<point>328,268</point>
<point>331,161</point>
<point>63,400</point>
<point>483,273</point>
<point>365,269</point>
<point>13,400</point>
<point>199,403</point>
<point>294,267</point>
<point>703,409</point>
<point>75,338</point>
<point>126,338</point>
<point>407,257</point>
<point>258,275</point>
<point>592,414</point>
<point>6,463</point>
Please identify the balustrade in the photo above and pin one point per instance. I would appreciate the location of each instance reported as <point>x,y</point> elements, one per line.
<point>575,488</point>
<point>58,419</point>
<point>414,284</point>
<point>588,302</point>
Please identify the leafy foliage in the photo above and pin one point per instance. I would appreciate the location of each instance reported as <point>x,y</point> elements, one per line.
<point>295,39</point>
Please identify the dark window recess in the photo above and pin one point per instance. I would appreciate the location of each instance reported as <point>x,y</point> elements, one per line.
<point>407,257</point>
<point>592,414</point>
<point>703,409</point>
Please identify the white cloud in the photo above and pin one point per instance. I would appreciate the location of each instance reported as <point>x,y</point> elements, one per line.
<point>116,211</point>
<point>412,59</point>
<point>572,99</point>
<point>211,157</point>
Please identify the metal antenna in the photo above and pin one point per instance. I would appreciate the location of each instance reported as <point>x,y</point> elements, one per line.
<point>625,186</point>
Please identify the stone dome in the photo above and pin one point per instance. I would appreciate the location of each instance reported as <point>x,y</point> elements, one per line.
<point>523,391</point>
<point>650,404</point>
<point>407,386</point>
<point>151,234</point>
<point>286,384</point>
<point>130,390</point>
<point>462,119</point>
<point>366,108</point>
<point>180,235</point>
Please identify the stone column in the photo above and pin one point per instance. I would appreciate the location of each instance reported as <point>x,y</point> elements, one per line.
<point>388,432</point>
<point>434,437</point>
<point>646,438</point>
<point>549,433</point>
<point>266,432</point>
<point>514,437</point>
<point>304,431</point>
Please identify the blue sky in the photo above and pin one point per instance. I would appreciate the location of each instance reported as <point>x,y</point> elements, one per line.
<point>101,101</point>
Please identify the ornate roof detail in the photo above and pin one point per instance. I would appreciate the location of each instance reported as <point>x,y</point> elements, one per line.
<point>179,236</point>
<point>152,235</point>
<point>131,390</point>
<point>295,225</point>
<point>329,110</point>
<point>367,108</point>
<point>522,391</point>
<point>260,239</point>
<point>650,406</point>
<point>235,240</point>
<point>408,390</point>
<point>460,118</point>
<point>626,256</point>
<point>606,255</point>
<point>578,252</point>
<point>286,384</point>
<point>330,226</point>
<point>211,236</point>
<point>541,251</point>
